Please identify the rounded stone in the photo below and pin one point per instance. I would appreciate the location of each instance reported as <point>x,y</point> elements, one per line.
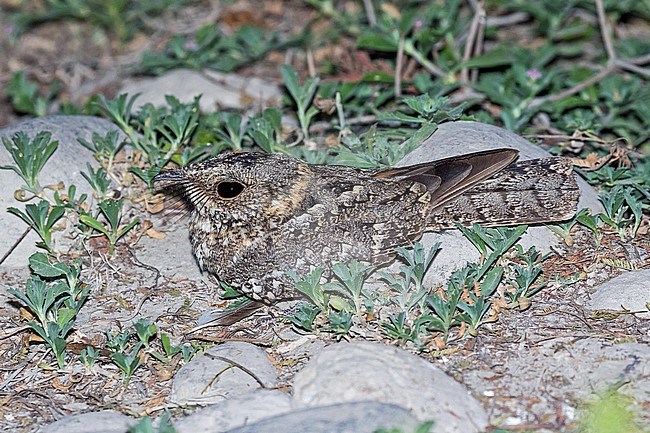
<point>225,370</point>
<point>365,371</point>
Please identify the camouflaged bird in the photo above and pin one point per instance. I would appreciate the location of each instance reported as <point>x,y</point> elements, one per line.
<point>256,216</point>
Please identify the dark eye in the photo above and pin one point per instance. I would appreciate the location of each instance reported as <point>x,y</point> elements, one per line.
<point>228,190</point>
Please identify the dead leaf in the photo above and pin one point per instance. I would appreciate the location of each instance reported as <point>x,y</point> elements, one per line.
<point>56,383</point>
<point>391,10</point>
<point>155,234</point>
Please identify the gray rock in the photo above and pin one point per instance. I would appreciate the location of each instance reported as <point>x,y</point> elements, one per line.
<point>234,412</point>
<point>362,371</point>
<point>218,90</point>
<point>172,255</point>
<point>630,290</point>
<point>359,417</point>
<point>457,138</point>
<point>92,422</point>
<point>65,165</point>
<point>224,371</point>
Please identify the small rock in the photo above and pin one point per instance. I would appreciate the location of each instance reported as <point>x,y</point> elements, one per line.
<point>358,417</point>
<point>236,411</point>
<point>217,90</point>
<point>362,371</point>
<point>92,422</point>
<point>630,290</point>
<point>224,371</point>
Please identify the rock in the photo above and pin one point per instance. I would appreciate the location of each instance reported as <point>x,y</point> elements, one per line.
<point>92,422</point>
<point>630,290</point>
<point>66,164</point>
<point>362,371</point>
<point>217,90</point>
<point>236,411</point>
<point>358,417</point>
<point>172,254</point>
<point>457,138</point>
<point>224,371</point>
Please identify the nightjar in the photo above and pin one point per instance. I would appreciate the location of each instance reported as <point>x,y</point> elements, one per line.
<point>256,215</point>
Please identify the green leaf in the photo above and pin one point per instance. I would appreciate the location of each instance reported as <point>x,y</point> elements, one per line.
<point>126,229</point>
<point>41,265</point>
<point>501,56</point>
<point>93,223</point>
<point>372,40</point>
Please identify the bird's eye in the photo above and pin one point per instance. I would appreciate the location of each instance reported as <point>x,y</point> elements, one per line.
<point>228,190</point>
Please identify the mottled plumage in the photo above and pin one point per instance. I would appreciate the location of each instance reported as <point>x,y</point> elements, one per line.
<point>256,215</point>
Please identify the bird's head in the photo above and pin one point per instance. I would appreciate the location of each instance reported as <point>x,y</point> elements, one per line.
<point>247,188</point>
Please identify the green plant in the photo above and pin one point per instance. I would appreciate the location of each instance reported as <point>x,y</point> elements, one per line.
<point>524,276</point>
<point>160,134</point>
<point>121,18</point>
<point>98,180</point>
<point>119,111</point>
<point>479,299</point>
<point>310,286</point>
<point>441,311</point>
<point>145,425</point>
<point>54,303</point>
<point>611,412</point>
<point>492,243</point>
<point>69,199</point>
<point>169,350</point>
<point>265,130</point>
<point>24,95</point>
<point>209,48</point>
<point>107,147</point>
<point>41,217</point>
<point>30,157</point>
<point>340,322</point>
<point>348,293</point>
<point>128,362</point>
<point>618,202</point>
<point>304,317</point>
<point>114,230</point>
<point>302,96</point>
<point>145,330</point>
<point>88,357</point>
<point>425,109</point>
<point>412,274</point>
<point>76,292</point>
<point>231,131</point>
<point>592,222</point>
<point>398,328</point>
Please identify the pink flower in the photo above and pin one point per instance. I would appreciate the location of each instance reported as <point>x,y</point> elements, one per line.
<point>533,74</point>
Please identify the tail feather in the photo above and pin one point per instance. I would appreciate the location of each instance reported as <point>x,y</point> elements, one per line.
<point>526,192</point>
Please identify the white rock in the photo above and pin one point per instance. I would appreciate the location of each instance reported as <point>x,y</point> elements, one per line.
<point>66,164</point>
<point>630,290</point>
<point>359,417</point>
<point>224,371</point>
<point>236,411</point>
<point>92,422</point>
<point>365,371</point>
<point>217,90</point>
